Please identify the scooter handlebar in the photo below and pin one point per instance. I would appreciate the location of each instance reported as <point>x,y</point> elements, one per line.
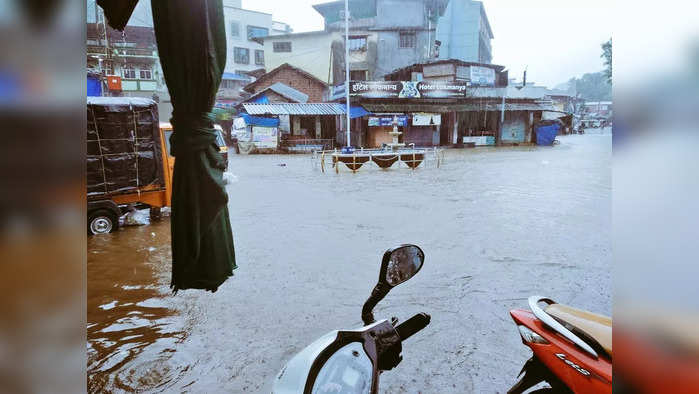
<point>411,326</point>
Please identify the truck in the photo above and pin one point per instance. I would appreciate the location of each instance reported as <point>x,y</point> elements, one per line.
<point>129,164</point>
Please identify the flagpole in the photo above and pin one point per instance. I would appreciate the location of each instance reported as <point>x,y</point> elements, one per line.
<point>347,70</point>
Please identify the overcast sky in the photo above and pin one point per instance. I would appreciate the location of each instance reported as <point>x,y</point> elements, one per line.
<point>556,39</point>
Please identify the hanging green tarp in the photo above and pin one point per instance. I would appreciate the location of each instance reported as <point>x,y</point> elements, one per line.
<point>192,47</point>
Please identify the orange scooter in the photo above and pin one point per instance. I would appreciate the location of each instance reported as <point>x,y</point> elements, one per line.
<point>572,349</point>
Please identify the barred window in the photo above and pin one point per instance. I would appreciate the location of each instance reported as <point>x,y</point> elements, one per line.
<point>129,72</point>
<point>284,46</point>
<point>259,57</point>
<point>241,55</point>
<point>408,39</point>
<point>357,43</point>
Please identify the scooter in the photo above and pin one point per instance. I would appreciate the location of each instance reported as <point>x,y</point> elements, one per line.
<point>350,361</point>
<point>572,348</point>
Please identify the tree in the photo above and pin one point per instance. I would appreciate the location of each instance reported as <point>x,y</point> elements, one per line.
<point>607,56</point>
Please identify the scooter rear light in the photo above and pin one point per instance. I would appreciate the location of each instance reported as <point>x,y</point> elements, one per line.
<point>530,336</point>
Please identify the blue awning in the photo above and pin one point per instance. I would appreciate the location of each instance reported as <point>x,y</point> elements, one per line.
<point>260,121</point>
<point>358,112</point>
<point>235,77</point>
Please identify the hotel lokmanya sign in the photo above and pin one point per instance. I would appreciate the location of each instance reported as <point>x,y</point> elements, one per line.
<point>408,89</point>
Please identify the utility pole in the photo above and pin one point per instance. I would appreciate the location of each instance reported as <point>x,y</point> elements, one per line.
<point>347,71</point>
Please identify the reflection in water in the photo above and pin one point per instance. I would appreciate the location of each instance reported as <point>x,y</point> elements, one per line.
<point>131,332</point>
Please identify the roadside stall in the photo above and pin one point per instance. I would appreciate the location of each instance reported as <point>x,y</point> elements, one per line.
<point>256,134</point>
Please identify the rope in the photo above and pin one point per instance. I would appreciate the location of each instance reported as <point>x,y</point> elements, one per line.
<point>99,144</point>
<point>135,149</point>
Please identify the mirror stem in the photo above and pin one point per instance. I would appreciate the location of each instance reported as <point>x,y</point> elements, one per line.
<point>378,294</point>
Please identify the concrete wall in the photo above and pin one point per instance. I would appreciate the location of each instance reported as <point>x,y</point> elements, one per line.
<point>244,18</point>
<point>309,52</point>
<point>460,31</point>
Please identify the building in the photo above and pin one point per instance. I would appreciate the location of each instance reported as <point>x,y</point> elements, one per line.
<point>242,27</point>
<point>127,61</point>
<point>384,35</point>
<point>598,109</point>
<point>246,54</point>
<point>288,85</point>
<point>464,32</point>
<point>446,102</point>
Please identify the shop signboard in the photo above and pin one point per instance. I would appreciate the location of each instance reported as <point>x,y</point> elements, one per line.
<point>408,89</point>
<point>265,137</point>
<point>482,76</point>
<point>384,121</point>
<point>423,119</point>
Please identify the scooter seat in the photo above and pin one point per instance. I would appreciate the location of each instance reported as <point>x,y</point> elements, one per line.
<point>596,326</point>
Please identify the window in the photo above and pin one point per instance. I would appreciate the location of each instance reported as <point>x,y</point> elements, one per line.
<point>235,29</point>
<point>254,31</point>
<point>358,75</point>
<point>242,55</point>
<point>146,74</point>
<point>407,39</point>
<point>259,57</point>
<point>357,43</point>
<point>284,46</point>
<point>128,72</point>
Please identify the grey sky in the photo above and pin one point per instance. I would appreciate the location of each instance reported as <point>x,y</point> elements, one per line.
<point>556,39</point>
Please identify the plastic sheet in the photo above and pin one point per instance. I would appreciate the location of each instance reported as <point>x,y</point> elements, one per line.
<point>123,146</point>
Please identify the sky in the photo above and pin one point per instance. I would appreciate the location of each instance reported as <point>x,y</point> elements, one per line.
<point>554,39</point>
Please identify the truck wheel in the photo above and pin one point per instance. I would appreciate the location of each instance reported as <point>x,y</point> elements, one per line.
<point>102,221</point>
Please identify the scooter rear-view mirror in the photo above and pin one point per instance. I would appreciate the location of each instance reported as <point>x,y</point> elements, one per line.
<point>398,265</point>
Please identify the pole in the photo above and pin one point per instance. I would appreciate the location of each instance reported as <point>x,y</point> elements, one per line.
<point>502,117</point>
<point>347,70</point>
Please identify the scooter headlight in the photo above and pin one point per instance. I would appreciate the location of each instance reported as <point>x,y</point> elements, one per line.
<point>530,336</point>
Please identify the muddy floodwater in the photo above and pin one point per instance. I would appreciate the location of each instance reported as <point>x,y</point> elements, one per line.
<point>496,226</point>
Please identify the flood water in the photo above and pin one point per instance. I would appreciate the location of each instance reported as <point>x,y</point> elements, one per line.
<point>496,225</point>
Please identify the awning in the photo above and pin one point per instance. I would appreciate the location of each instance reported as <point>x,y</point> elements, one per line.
<point>357,112</point>
<point>235,77</point>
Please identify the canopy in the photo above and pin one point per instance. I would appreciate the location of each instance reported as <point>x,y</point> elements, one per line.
<point>358,112</point>
<point>191,42</point>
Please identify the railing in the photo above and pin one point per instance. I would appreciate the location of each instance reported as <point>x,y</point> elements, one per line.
<point>306,145</point>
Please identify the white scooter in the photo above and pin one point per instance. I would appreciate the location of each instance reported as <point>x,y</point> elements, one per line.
<point>350,361</point>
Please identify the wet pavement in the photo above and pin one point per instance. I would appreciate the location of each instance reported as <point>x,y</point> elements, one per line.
<point>496,225</point>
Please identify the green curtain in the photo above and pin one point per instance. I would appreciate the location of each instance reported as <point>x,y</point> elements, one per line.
<point>191,42</point>
<point>191,38</point>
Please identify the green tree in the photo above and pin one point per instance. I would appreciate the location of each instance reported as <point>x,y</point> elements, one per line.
<point>607,56</point>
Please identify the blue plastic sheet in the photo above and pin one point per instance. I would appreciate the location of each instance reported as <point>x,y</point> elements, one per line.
<point>545,135</point>
<point>94,87</point>
<point>259,121</point>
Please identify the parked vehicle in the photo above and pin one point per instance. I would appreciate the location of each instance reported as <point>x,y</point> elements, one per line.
<point>572,349</point>
<point>128,160</point>
<point>350,361</point>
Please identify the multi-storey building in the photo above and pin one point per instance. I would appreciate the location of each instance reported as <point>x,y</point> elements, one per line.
<point>131,55</point>
<point>464,33</point>
<point>384,35</point>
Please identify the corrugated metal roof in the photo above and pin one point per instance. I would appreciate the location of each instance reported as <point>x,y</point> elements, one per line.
<point>295,109</point>
<point>289,92</point>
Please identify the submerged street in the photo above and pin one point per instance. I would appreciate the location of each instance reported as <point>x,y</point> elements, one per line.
<point>497,225</point>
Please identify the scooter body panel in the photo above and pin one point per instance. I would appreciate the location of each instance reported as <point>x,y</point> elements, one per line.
<point>578,370</point>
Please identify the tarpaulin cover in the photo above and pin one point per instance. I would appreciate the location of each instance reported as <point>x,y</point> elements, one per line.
<point>94,86</point>
<point>260,121</point>
<point>123,146</point>
<point>546,134</point>
<point>261,100</point>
